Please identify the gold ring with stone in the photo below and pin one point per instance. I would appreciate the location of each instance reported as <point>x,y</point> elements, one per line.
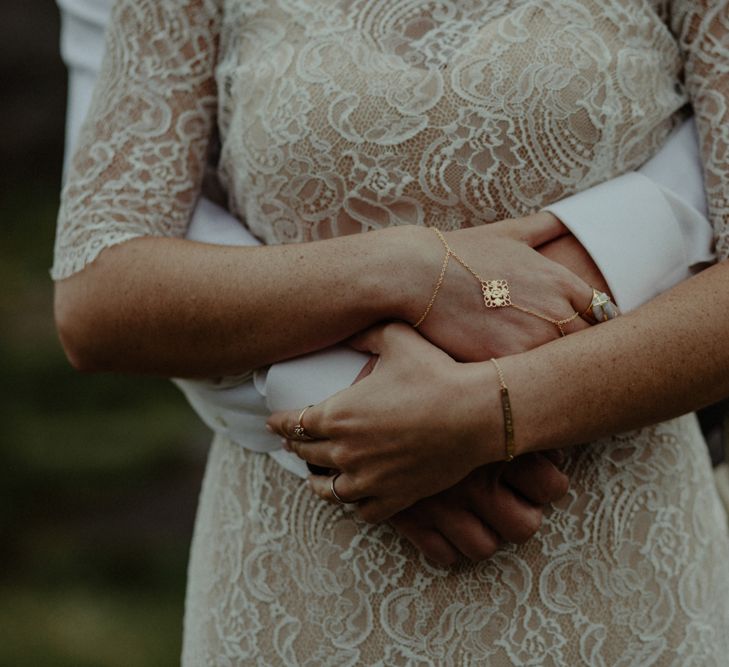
<point>299,430</point>
<point>601,308</point>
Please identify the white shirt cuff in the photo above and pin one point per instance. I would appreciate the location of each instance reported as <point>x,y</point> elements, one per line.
<point>632,233</point>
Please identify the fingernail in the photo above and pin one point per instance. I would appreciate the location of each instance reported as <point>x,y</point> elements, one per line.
<point>285,444</point>
<point>269,428</point>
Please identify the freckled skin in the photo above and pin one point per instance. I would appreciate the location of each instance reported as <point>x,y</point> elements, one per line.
<point>181,308</point>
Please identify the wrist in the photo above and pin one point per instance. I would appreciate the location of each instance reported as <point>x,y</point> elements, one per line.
<point>413,256</point>
<point>493,409</point>
<point>483,416</point>
<point>543,403</point>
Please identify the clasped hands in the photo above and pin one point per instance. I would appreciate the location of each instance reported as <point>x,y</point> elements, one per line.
<point>419,439</point>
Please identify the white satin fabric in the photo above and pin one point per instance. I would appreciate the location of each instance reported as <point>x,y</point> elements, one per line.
<point>647,229</point>
<point>238,411</point>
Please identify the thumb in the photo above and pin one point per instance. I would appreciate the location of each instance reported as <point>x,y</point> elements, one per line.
<point>368,341</point>
<point>380,339</point>
<point>536,229</point>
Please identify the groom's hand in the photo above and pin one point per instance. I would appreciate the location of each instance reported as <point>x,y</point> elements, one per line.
<point>494,504</point>
<point>570,253</point>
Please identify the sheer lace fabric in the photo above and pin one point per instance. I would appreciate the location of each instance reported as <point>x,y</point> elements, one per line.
<point>342,116</point>
<point>630,569</point>
<point>346,116</point>
<point>143,147</point>
<point>703,30</point>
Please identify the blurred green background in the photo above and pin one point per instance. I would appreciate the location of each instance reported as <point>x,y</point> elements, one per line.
<point>99,475</point>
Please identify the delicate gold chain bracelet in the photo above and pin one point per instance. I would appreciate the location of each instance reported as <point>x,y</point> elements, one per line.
<point>496,293</point>
<point>435,291</point>
<point>508,417</point>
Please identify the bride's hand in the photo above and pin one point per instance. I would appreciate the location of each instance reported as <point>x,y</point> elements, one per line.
<point>415,426</point>
<point>495,503</point>
<point>459,322</point>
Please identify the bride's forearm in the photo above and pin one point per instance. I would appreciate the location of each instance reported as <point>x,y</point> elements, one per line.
<point>667,358</point>
<point>421,422</point>
<point>175,307</point>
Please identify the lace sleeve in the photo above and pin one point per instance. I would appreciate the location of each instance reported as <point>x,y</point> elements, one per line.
<point>702,27</point>
<point>142,150</point>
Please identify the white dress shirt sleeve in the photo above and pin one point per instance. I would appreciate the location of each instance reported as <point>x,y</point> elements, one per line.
<point>645,230</point>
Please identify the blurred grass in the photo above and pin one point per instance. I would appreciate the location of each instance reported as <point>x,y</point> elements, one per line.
<point>99,478</point>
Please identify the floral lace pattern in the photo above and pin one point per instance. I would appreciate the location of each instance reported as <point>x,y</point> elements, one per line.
<point>339,116</point>
<point>703,30</point>
<point>143,147</point>
<point>630,569</point>
<point>369,114</point>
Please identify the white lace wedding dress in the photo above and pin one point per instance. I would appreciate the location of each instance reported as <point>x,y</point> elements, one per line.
<point>339,116</point>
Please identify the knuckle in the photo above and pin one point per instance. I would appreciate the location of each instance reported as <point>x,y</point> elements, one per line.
<point>553,487</point>
<point>434,549</point>
<point>527,527</point>
<point>543,493</point>
<point>324,417</point>
<point>566,283</point>
<point>369,482</point>
<point>334,418</point>
<point>340,457</point>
